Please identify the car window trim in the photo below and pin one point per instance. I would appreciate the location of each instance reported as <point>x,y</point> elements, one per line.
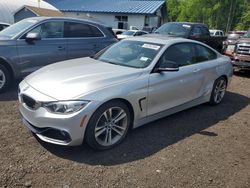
<point>45,21</point>
<point>194,43</point>
<point>38,24</point>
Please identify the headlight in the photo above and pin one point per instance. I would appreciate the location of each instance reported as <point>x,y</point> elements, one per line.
<point>65,107</point>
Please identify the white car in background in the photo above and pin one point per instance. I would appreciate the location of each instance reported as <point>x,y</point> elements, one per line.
<point>131,33</point>
<point>214,32</point>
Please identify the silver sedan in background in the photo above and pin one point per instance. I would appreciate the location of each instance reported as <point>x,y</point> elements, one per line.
<point>131,83</point>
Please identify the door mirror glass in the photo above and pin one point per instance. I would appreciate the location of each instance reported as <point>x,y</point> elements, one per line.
<point>168,66</point>
<point>32,37</point>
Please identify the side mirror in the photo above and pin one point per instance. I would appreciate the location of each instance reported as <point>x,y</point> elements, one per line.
<point>31,37</point>
<point>168,66</point>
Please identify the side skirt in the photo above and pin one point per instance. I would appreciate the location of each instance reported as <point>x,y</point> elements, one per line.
<point>170,111</point>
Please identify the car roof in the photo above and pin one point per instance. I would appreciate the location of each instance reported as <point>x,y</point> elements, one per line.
<point>159,39</point>
<point>135,30</point>
<point>213,30</point>
<point>189,23</point>
<point>42,18</point>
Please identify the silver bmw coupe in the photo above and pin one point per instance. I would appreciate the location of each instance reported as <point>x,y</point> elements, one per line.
<point>133,82</point>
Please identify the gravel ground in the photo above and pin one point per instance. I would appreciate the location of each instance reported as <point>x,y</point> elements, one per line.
<point>200,147</point>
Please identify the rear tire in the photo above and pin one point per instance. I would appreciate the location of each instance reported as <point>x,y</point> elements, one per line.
<point>218,92</point>
<point>5,78</point>
<point>108,126</point>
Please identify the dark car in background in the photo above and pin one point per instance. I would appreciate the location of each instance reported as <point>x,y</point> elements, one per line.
<point>36,42</point>
<point>3,26</point>
<point>195,31</point>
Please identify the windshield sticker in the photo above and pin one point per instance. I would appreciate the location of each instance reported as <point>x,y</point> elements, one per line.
<point>151,46</point>
<point>188,26</point>
<point>143,59</point>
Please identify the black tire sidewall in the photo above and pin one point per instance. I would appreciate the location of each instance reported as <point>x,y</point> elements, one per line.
<point>212,101</point>
<point>7,77</point>
<point>90,130</point>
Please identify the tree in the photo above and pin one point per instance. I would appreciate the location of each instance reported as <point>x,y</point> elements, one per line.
<point>217,14</point>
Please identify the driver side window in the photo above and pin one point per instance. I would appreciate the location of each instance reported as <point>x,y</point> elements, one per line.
<point>182,54</point>
<point>49,30</point>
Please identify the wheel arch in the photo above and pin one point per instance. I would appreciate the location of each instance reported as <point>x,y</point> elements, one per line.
<point>224,76</point>
<point>88,138</point>
<point>127,103</point>
<point>6,64</point>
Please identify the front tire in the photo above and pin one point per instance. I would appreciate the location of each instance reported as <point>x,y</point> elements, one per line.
<point>4,78</point>
<point>108,126</point>
<point>218,92</point>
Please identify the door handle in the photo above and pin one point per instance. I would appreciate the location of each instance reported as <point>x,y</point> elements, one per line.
<point>196,70</point>
<point>60,48</point>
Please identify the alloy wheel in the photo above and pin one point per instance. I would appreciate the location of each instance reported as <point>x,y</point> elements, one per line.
<point>220,90</point>
<point>2,79</point>
<point>111,126</point>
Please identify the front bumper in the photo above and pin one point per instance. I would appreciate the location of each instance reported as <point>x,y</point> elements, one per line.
<point>241,64</point>
<point>241,61</point>
<point>57,129</point>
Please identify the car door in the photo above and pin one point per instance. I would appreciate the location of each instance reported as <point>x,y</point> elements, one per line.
<point>49,48</point>
<point>207,59</point>
<point>83,39</point>
<point>173,88</point>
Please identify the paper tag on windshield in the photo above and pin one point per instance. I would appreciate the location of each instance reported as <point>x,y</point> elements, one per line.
<point>151,46</point>
<point>184,25</point>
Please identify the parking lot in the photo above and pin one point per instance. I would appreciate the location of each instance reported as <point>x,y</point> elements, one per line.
<point>201,147</point>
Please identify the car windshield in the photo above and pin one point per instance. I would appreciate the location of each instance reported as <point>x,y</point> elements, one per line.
<point>247,35</point>
<point>177,29</point>
<point>18,27</point>
<point>212,32</point>
<point>135,54</point>
<point>130,33</point>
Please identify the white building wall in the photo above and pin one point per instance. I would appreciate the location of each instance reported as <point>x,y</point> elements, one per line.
<point>109,19</point>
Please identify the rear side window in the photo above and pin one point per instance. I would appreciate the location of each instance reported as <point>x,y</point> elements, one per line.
<point>204,54</point>
<point>81,30</point>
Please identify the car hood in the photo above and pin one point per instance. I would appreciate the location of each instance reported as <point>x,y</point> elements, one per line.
<point>4,38</point>
<point>74,78</point>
